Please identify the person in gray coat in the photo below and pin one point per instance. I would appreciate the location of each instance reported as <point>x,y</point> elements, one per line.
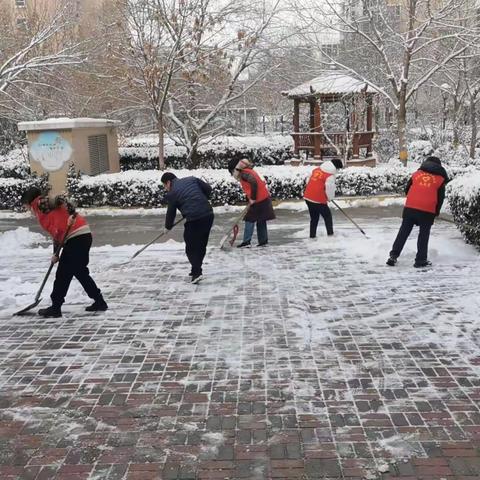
<point>190,195</point>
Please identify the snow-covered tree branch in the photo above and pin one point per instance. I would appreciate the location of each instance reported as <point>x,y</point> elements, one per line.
<point>396,48</point>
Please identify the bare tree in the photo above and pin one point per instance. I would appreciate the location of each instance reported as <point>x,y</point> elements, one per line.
<point>395,47</point>
<point>220,54</point>
<point>148,41</point>
<point>31,54</point>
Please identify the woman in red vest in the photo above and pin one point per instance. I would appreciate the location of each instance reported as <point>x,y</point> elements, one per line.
<point>258,196</point>
<point>319,190</point>
<point>57,217</point>
<point>425,194</point>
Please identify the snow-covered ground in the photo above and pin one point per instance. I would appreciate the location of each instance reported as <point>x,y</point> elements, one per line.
<point>315,334</point>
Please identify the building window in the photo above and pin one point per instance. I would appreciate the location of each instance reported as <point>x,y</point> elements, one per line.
<point>330,51</point>
<point>20,3</point>
<point>98,153</point>
<point>22,24</point>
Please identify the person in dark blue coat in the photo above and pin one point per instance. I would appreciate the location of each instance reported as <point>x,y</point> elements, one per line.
<point>190,195</point>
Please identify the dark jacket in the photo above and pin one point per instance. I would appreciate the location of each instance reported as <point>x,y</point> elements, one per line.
<point>260,211</point>
<point>190,195</point>
<point>419,216</point>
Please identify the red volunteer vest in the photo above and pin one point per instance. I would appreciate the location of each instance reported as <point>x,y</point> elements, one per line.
<point>262,190</point>
<point>315,190</point>
<point>55,222</point>
<point>423,192</point>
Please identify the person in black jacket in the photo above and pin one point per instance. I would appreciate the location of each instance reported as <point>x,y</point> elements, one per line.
<point>425,195</point>
<point>190,195</point>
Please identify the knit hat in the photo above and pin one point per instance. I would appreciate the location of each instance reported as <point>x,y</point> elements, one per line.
<point>337,162</point>
<point>235,166</point>
<point>434,160</point>
<point>30,195</point>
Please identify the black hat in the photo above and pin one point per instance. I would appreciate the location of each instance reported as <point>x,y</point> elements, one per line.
<point>30,195</point>
<point>168,177</point>
<point>232,164</point>
<point>434,160</point>
<point>337,163</point>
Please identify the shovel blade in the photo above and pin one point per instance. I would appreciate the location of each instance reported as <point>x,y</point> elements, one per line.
<point>26,309</point>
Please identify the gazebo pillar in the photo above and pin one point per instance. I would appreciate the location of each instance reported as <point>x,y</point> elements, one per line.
<point>317,128</point>
<point>296,125</point>
<point>354,129</point>
<point>369,122</point>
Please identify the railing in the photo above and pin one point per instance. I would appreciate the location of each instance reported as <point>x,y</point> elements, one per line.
<point>316,141</point>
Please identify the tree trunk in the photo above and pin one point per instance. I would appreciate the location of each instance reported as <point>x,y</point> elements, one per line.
<point>193,156</point>
<point>401,126</point>
<point>473,122</point>
<point>456,107</point>
<point>161,143</point>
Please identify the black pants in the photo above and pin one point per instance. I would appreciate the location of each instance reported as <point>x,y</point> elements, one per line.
<point>315,210</point>
<point>73,263</point>
<point>406,227</point>
<point>196,235</point>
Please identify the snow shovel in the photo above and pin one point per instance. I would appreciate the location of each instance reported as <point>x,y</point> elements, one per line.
<point>160,235</point>
<point>351,219</point>
<point>233,230</point>
<point>37,296</point>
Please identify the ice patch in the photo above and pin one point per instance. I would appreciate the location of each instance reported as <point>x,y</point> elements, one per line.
<point>401,446</point>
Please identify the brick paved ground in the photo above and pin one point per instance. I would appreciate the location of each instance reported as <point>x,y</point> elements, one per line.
<point>301,361</point>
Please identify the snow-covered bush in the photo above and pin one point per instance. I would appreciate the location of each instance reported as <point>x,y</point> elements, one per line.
<point>141,153</point>
<point>385,145</point>
<point>464,197</point>
<point>14,164</point>
<point>11,190</point>
<point>450,156</point>
<point>144,188</point>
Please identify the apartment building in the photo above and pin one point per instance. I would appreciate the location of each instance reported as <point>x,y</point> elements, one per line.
<point>22,10</point>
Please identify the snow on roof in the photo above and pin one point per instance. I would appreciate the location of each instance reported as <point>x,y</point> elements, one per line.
<point>67,123</point>
<point>329,82</point>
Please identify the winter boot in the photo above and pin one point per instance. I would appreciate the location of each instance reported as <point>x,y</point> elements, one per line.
<point>50,312</point>
<point>196,278</point>
<point>245,244</point>
<point>391,262</point>
<point>99,305</point>
<point>426,263</point>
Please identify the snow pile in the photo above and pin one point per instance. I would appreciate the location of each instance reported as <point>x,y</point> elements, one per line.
<point>141,152</point>
<point>464,197</point>
<point>12,240</point>
<point>13,291</point>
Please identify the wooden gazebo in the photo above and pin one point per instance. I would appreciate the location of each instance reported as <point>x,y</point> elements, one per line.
<point>354,142</point>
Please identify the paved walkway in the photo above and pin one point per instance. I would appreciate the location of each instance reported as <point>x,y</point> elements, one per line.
<point>304,360</point>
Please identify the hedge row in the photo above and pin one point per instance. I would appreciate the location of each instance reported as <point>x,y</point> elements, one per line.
<point>11,190</point>
<point>15,165</point>
<point>144,189</point>
<point>464,197</point>
<point>141,153</point>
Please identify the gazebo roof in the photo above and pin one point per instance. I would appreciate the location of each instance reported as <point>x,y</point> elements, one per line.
<point>330,82</point>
